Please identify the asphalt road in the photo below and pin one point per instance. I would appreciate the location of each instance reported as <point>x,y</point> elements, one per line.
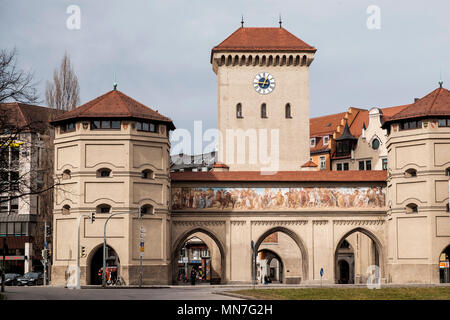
<point>58,293</point>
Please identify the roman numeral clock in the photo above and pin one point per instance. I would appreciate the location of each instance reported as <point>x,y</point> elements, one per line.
<point>264,83</point>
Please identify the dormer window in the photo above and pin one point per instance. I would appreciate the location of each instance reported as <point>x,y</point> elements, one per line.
<point>326,139</point>
<point>312,142</point>
<point>103,173</point>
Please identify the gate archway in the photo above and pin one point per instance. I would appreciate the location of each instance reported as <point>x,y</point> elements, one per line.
<point>302,259</point>
<point>365,241</point>
<point>95,263</point>
<point>444,265</point>
<point>216,263</point>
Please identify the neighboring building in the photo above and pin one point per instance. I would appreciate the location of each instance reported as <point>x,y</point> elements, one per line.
<point>112,155</point>
<point>184,162</point>
<point>26,166</point>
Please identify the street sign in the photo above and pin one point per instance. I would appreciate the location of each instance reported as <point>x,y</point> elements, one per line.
<point>444,264</point>
<point>321,272</point>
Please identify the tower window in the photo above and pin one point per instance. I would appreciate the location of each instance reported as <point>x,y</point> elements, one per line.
<point>411,173</point>
<point>66,209</point>
<point>105,124</point>
<point>146,126</point>
<point>103,208</point>
<point>66,174</point>
<point>288,111</point>
<point>412,208</point>
<point>147,174</point>
<point>263,111</point>
<point>447,172</point>
<point>239,111</point>
<point>67,127</point>
<point>147,209</point>
<point>102,173</point>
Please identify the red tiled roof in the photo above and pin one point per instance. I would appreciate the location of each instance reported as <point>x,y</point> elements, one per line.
<point>282,176</point>
<point>114,104</point>
<point>321,126</point>
<point>263,39</point>
<point>309,164</point>
<point>436,103</point>
<point>26,116</point>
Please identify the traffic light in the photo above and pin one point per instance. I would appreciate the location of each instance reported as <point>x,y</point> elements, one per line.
<point>92,217</point>
<point>83,252</point>
<point>48,231</point>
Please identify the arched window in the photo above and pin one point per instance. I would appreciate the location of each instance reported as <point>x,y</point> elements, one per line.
<point>147,174</point>
<point>103,173</point>
<point>411,173</point>
<point>239,111</point>
<point>146,209</point>
<point>263,111</point>
<point>103,208</point>
<point>304,61</point>
<point>412,208</point>
<point>66,209</point>
<point>288,111</point>
<point>66,174</point>
<point>447,172</point>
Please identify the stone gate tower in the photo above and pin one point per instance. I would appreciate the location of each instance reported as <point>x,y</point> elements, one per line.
<point>263,99</point>
<point>418,223</point>
<point>112,156</point>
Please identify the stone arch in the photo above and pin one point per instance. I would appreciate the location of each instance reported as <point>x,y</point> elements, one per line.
<point>222,60</point>
<point>229,60</point>
<point>283,61</point>
<point>297,60</point>
<point>256,62</point>
<point>378,246</point>
<point>96,251</point>
<point>184,237</point>
<point>270,60</point>
<point>236,60</point>
<point>290,60</point>
<point>274,255</point>
<point>263,60</point>
<point>297,239</point>
<point>277,60</point>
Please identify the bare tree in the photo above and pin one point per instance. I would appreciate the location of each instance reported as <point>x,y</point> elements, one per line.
<point>15,83</point>
<point>64,92</point>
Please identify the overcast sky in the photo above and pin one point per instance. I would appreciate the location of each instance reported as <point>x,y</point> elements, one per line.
<point>160,50</point>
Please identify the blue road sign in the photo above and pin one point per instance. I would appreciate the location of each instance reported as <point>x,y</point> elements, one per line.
<point>321,272</point>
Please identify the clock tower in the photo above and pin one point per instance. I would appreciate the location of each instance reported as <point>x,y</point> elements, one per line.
<point>263,99</point>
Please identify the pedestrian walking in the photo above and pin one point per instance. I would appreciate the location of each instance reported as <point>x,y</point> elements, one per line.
<point>193,276</point>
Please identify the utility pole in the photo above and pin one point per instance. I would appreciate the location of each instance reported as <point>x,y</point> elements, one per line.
<point>45,256</point>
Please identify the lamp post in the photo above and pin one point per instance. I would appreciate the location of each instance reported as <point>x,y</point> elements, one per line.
<point>104,244</point>
<point>92,217</point>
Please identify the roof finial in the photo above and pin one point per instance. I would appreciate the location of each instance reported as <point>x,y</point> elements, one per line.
<point>279,21</point>
<point>242,20</point>
<point>115,82</point>
<point>440,81</point>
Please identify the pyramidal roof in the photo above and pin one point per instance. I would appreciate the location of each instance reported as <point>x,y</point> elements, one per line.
<point>436,103</point>
<point>114,104</point>
<point>263,39</point>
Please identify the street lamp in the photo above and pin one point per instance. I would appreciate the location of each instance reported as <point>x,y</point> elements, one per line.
<point>104,242</point>
<point>91,216</point>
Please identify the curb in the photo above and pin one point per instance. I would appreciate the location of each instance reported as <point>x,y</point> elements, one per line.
<point>234,295</point>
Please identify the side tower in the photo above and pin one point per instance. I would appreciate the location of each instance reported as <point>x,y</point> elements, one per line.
<point>112,156</point>
<point>263,99</point>
<point>418,189</point>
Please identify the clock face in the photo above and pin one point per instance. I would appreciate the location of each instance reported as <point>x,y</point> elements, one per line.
<point>264,83</point>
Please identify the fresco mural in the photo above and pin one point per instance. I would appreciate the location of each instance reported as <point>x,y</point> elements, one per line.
<point>276,198</point>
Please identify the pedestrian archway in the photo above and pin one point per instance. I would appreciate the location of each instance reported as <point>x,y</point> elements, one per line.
<point>269,267</point>
<point>290,250</point>
<point>355,255</point>
<point>96,264</point>
<point>198,250</point>
<point>444,265</point>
